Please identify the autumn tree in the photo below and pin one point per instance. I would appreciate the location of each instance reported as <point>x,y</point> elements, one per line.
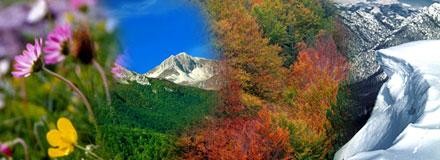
<point>312,88</point>
<point>256,38</point>
<point>289,22</point>
<point>241,43</point>
<point>240,138</point>
<point>315,79</point>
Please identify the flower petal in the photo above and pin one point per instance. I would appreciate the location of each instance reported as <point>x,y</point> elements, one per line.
<point>68,131</point>
<point>55,139</point>
<point>59,152</point>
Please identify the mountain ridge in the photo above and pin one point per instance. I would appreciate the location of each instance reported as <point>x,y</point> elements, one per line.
<point>182,69</point>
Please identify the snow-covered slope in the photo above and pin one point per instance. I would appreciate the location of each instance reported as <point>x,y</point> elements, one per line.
<point>405,122</point>
<point>186,70</point>
<point>375,25</point>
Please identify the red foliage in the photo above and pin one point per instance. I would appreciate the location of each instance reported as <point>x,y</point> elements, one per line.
<point>240,138</point>
<point>324,62</point>
<point>314,79</point>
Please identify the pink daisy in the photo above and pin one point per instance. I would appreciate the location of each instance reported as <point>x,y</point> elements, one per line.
<point>57,44</point>
<point>82,5</point>
<point>24,63</point>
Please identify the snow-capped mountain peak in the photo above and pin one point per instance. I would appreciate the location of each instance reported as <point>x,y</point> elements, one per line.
<point>182,69</point>
<point>186,70</point>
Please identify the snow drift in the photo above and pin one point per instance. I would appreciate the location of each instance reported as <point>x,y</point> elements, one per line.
<point>405,122</point>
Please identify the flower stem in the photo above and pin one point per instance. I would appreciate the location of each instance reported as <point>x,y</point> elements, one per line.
<point>22,143</point>
<point>89,152</point>
<point>76,89</point>
<point>104,80</point>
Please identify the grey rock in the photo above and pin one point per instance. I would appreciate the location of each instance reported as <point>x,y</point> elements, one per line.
<point>375,26</point>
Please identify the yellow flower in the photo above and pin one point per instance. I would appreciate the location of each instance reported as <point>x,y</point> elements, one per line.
<point>63,139</point>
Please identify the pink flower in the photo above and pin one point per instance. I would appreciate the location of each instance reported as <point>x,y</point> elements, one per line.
<point>82,5</point>
<point>57,44</point>
<point>29,61</point>
<point>5,150</point>
<point>118,70</point>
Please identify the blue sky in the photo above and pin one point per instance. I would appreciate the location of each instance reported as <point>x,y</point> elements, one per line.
<point>152,30</point>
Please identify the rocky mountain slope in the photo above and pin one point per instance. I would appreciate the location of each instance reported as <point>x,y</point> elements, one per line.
<point>181,69</point>
<point>372,26</point>
<point>375,26</point>
<point>404,124</point>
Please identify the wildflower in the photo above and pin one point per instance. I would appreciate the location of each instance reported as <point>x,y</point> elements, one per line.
<point>82,5</point>
<point>29,61</point>
<point>57,44</point>
<point>83,47</point>
<point>57,54</point>
<point>63,139</point>
<point>84,51</point>
<point>117,69</point>
<point>5,150</point>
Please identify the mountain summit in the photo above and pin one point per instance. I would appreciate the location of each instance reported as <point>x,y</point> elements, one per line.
<point>184,69</point>
<point>181,69</point>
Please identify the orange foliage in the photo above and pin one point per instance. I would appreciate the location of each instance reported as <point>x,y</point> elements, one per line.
<point>239,138</point>
<point>315,78</point>
<point>246,50</point>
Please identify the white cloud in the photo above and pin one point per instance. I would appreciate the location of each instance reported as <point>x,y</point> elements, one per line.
<point>134,8</point>
<point>146,7</point>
